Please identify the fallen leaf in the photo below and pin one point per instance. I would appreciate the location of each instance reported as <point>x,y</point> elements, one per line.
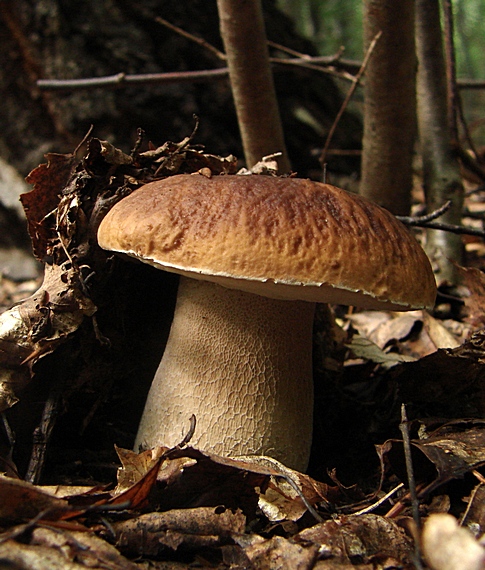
<point>364,348</point>
<point>48,181</point>
<point>279,552</point>
<point>364,538</point>
<point>449,452</point>
<point>21,501</point>
<point>152,534</point>
<point>474,280</point>
<point>50,549</point>
<point>443,376</point>
<point>438,333</point>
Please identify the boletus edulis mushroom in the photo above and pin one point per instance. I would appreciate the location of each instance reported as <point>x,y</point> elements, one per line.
<point>255,253</point>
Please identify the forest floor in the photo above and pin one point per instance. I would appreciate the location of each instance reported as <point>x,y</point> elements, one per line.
<point>402,483</point>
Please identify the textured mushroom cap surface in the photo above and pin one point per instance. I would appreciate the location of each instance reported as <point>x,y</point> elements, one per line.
<point>278,237</point>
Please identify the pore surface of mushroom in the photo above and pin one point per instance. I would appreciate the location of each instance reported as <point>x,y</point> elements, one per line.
<point>255,254</point>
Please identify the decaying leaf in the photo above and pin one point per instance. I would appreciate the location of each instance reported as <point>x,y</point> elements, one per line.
<point>134,466</point>
<point>21,502</point>
<point>57,549</point>
<point>364,539</point>
<point>152,534</point>
<point>441,377</point>
<point>279,552</point>
<point>449,452</point>
<point>474,280</point>
<point>48,181</point>
<point>362,347</point>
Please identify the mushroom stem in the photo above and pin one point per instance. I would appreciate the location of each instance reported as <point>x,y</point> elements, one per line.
<point>242,364</point>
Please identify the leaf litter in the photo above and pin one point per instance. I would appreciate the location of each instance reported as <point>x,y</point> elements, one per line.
<point>181,507</point>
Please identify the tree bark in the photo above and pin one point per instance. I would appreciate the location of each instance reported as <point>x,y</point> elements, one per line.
<point>441,174</point>
<point>389,104</point>
<point>245,43</point>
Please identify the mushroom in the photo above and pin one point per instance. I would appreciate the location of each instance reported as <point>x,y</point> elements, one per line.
<point>255,253</point>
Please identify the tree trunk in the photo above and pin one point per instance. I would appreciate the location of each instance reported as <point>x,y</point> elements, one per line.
<point>441,174</point>
<point>389,104</point>
<point>244,37</point>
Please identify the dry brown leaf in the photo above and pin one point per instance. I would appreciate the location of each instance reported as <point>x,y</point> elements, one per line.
<point>447,453</point>
<point>383,327</point>
<point>152,534</point>
<point>134,466</point>
<point>63,550</point>
<point>474,280</point>
<point>48,181</point>
<point>365,538</point>
<point>438,333</point>
<point>279,552</point>
<point>443,376</point>
<point>21,501</point>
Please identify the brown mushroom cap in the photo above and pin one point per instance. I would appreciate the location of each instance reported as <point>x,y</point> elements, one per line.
<point>285,238</point>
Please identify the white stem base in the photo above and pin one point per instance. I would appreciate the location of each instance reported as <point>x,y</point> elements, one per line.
<point>242,364</point>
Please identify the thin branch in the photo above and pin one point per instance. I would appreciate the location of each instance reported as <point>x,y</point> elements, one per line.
<point>288,51</point>
<point>404,428</point>
<point>427,222</point>
<point>349,95</point>
<point>199,41</point>
<point>380,501</point>
<point>416,220</point>
<point>452,228</point>
<point>125,80</point>
<point>471,83</point>
<point>322,64</point>
<point>119,80</point>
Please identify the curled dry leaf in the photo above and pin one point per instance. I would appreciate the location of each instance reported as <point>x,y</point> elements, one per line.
<point>362,347</point>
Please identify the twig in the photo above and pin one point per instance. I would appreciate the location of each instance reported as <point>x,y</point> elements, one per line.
<point>288,51</point>
<point>452,228</point>
<point>349,95</point>
<point>416,220</point>
<point>471,83</point>
<point>404,428</point>
<point>321,64</point>
<point>426,222</point>
<point>126,80</point>
<point>472,496</point>
<point>199,41</point>
<point>294,485</point>
<point>382,500</point>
